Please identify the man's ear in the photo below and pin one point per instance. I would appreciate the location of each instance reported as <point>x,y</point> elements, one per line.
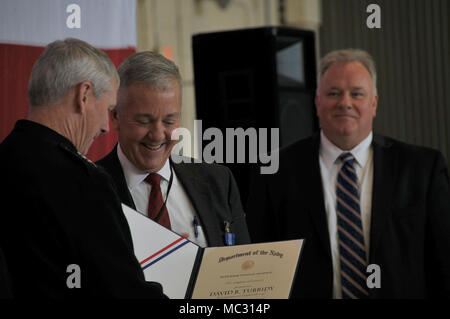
<point>316,103</point>
<point>375,105</point>
<point>83,95</point>
<point>114,116</point>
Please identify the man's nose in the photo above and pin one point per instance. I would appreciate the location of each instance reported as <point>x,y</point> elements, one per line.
<point>345,101</point>
<point>156,132</point>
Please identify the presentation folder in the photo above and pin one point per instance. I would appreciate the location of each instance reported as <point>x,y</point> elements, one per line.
<point>186,270</point>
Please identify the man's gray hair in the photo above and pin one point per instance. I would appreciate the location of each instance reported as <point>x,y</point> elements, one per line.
<point>149,68</point>
<point>63,65</point>
<point>349,55</point>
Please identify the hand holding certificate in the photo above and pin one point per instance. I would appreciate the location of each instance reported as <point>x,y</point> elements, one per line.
<point>185,270</point>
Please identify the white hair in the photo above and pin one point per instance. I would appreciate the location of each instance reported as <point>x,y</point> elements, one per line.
<point>63,65</point>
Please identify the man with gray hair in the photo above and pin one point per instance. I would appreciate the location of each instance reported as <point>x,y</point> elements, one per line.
<point>62,229</point>
<point>375,212</point>
<point>196,200</point>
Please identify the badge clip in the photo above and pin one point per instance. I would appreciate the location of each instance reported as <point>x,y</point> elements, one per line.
<point>229,236</point>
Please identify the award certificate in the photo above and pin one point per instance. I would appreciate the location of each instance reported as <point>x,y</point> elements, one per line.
<point>261,271</point>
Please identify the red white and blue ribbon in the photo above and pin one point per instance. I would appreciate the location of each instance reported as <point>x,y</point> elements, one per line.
<point>164,252</point>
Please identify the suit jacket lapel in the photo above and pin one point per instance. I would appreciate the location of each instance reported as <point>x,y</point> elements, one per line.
<point>112,165</point>
<point>198,193</point>
<point>385,168</point>
<point>317,206</point>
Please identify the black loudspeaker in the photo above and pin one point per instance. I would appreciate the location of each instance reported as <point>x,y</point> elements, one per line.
<point>256,78</point>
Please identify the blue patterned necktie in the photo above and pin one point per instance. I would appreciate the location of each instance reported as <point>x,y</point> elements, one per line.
<point>350,233</point>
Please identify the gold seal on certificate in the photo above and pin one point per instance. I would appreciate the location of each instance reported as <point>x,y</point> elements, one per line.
<point>259,271</point>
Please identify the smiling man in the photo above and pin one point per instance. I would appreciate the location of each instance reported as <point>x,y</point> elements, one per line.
<point>197,200</point>
<point>346,103</point>
<point>148,107</point>
<point>358,198</point>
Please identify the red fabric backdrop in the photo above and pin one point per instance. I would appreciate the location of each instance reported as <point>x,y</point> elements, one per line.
<point>16,62</point>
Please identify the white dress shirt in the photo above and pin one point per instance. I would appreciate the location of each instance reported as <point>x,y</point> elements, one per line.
<point>330,166</point>
<point>180,209</point>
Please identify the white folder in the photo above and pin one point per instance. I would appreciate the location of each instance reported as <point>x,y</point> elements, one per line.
<point>165,256</point>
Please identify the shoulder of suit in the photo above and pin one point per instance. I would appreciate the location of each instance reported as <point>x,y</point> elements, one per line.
<point>411,155</point>
<point>196,165</point>
<point>108,159</point>
<point>309,142</point>
<point>404,147</point>
<point>77,157</point>
<point>297,152</point>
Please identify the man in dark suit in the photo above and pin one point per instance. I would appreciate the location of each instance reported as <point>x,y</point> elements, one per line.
<point>197,200</point>
<point>62,229</point>
<point>358,199</point>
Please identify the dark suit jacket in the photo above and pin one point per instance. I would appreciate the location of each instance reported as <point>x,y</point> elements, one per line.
<point>59,209</point>
<point>212,190</point>
<point>5,285</point>
<point>410,223</point>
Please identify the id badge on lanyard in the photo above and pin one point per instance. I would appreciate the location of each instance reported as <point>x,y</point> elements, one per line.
<point>229,236</point>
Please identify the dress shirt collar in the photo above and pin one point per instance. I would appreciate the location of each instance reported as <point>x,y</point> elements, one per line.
<point>330,152</point>
<point>133,175</point>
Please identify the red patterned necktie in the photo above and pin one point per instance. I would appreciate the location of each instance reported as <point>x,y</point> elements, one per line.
<point>156,202</point>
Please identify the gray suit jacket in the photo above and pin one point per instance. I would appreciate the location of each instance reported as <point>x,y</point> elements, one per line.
<point>211,189</point>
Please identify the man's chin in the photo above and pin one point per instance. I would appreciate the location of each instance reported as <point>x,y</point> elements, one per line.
<point>154,165</point>
<point>345,130</point>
